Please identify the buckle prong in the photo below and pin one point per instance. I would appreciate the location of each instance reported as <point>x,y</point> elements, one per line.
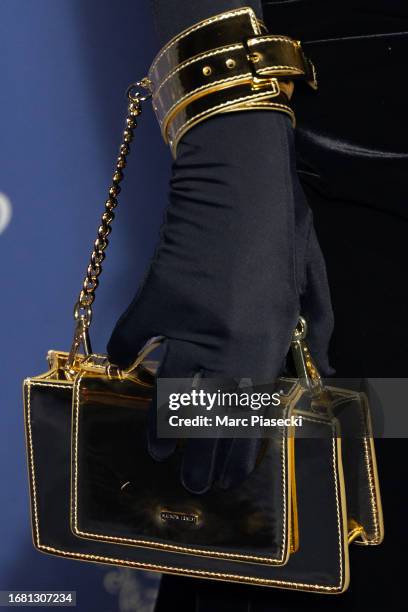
<point>259,81</point>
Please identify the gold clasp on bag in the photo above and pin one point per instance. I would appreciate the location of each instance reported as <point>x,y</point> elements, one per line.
<point>306,369</point>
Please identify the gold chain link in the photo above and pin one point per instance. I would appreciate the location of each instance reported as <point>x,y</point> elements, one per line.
<point>86,298</point>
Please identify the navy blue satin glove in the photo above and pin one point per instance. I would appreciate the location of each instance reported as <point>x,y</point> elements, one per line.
<point>237,262</point>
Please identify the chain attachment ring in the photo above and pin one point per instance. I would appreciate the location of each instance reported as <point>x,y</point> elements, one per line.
<point>134,94</point>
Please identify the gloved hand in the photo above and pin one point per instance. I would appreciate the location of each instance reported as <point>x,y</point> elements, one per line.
<point>237,262</point>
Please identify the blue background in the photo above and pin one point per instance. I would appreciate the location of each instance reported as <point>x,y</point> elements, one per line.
<point>65,65</point>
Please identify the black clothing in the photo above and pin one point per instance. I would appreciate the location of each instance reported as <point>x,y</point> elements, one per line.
<point>173,16</point>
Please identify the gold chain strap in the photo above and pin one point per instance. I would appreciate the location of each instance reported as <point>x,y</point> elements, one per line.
<point>83,306</point>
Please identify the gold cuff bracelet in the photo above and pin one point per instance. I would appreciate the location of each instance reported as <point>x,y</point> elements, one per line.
<point>225,63</point>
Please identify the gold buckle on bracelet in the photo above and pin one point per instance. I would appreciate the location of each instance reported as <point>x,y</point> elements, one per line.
<point>262,83</point>
<point>259,82</point>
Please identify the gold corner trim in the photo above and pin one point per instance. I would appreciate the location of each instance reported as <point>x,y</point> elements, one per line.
<point>355,530</point>
<point>341,502</point>
<point>373,481</point>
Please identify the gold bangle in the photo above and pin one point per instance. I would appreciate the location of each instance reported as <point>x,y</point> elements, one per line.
<point>223,64</point>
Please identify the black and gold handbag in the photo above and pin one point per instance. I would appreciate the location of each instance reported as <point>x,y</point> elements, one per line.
<point>97,495</point>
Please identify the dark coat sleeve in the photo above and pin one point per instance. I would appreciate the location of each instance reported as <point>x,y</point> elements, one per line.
<point>173,16</point>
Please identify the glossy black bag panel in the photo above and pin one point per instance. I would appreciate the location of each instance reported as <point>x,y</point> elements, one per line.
<point>119,491</point>
<point>321,564</point>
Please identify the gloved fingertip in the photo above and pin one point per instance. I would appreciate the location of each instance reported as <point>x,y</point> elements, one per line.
<point>195,478</point>
<point>126,341</point>
<point>323,365</point>
<point>230,479</point>
<point>327,370</point>
<point>198,465</point>
<point>240,462</point>
<point>192,485</point>
<point>225,482</point>
<point>160,448</point>
<point>322,361</point>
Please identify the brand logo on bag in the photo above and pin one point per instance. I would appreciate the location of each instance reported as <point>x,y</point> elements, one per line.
<point>169,516</point>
